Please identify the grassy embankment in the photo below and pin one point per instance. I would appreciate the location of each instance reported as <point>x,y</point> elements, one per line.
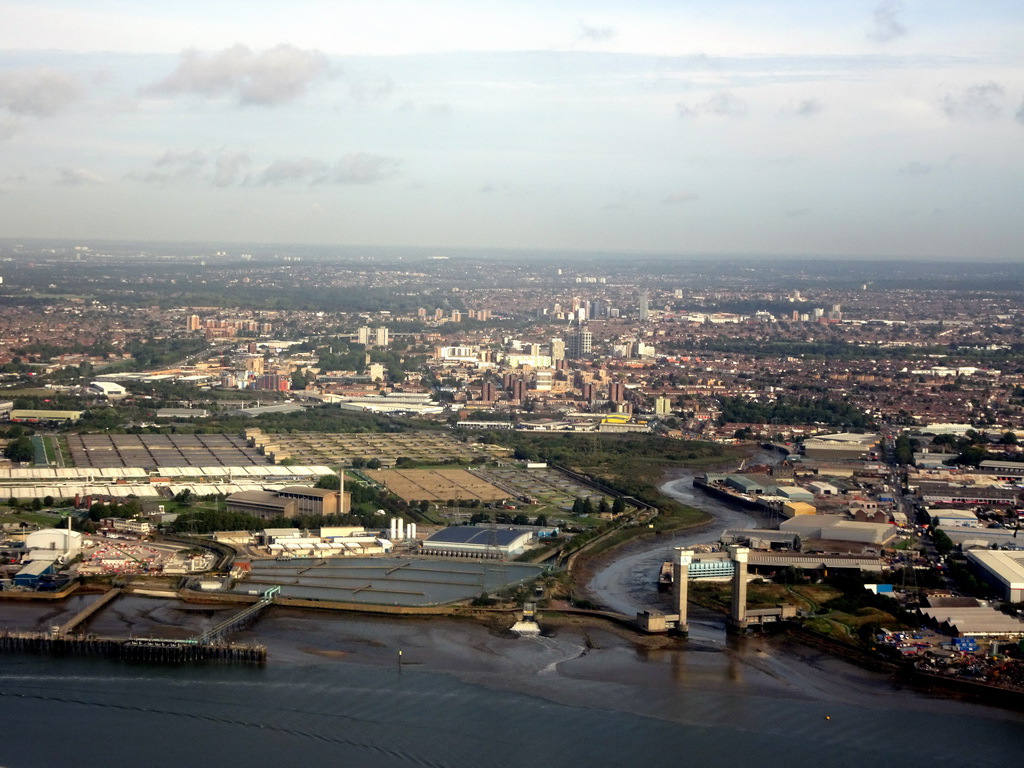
<point>826,608</point>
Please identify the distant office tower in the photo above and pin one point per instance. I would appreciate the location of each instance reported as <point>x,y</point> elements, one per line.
<point>193,323</point>
<point>645,307</point>
<point>519,390</point>
<point>381,336</point>
<point>580,343</point>
<point>557,350</point>
<point>642,349</point>
<point>273,381</point>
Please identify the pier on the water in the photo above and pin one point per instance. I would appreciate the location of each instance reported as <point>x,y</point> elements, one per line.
<point>88,611</point>
<point>208,646</point>
<point>132,649</point>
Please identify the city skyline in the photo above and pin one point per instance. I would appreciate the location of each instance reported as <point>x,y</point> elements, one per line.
<point>883,129</point>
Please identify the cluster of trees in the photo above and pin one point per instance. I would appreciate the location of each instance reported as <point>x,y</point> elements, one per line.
<point>34,504</point>
<point>19,450</point>
<point>788,410</point>
<point>610,453</point>
<point>483,518</point>
<point>825,350</point>
<point>584,507</point>
<point>972,449</point>
<point>150,353</point>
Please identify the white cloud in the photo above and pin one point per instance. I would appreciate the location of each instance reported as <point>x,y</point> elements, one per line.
<point>275,76</point>
<point>38,92</point>
<point>885,22</point>
<point>355,168</point>
<point>8,128</point>
<point>193,159</point>
<point>228,167</point>
<point>975,101</point>
<point>79,177</point>
<point>362,168</point>
<point>287,171</point>
<point>594,34</point>
<point>723,104</point>
<point>680,197</point>
<point>805,108</point>
<point>916,169</point>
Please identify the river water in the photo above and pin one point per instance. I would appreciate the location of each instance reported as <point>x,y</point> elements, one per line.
<point>333,694</point>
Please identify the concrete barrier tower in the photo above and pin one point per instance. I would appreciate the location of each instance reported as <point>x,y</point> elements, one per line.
<point>738,617</point>
<point>681,584</point>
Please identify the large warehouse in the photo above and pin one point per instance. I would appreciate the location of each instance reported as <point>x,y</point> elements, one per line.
<point>837,529</point>
<point>478,541</point>
<point>1002,569</point>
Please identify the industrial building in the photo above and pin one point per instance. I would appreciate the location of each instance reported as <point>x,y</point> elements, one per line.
<point>25,416</point>
<point>52,543</point>
<point>946,493</point>
<point>107,389</point>
<point>979,621</point>
<point>290,501</point>
<point>837,529</point>
<point>953,518</point>
<point>478,541</point>
<point>1003,570</point>
<point>315,501</point>
<point>266,505</point>
<point>795,508</point>
<point>842,446</point>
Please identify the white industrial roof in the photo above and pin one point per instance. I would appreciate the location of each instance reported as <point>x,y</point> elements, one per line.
<point>1008,567</point>
<point>976,620</point>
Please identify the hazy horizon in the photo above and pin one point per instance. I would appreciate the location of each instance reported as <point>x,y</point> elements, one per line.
<point>888,129</point>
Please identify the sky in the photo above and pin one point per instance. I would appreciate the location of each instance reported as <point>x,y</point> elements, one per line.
<point>882,129</point>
